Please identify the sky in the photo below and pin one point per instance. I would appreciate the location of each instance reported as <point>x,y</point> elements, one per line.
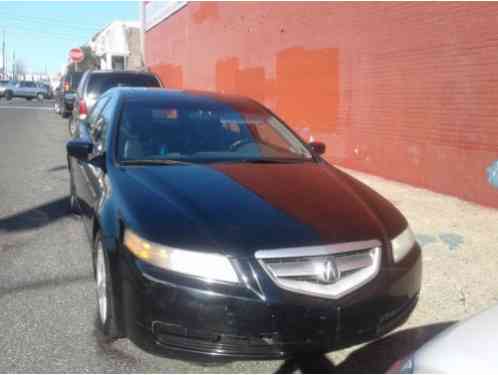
<point>43,32</point>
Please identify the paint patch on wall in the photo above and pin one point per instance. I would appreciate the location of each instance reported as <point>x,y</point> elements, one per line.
<point>493,174</point>
<point>171,75</point>
<point>425,239</point>
<point>452,240</point>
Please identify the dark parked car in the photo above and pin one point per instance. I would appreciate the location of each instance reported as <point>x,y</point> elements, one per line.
<point>218,234</point>
<point>95,83</point>
<point>65,93</point>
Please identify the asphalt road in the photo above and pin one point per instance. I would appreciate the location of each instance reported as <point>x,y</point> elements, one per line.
<point>47,294</point>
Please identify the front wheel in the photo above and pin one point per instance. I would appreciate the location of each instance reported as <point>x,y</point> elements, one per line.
<point>107,320</point>
<point>8,95</point>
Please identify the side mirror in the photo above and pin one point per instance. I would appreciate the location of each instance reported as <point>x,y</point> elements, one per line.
<point>80,150</point>
<point>318,147</point>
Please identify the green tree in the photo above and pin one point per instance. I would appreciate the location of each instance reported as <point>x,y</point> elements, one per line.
<point>90,61</point>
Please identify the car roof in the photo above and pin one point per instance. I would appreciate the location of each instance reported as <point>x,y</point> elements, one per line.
<point>180,96</point>
<point>119,72</point>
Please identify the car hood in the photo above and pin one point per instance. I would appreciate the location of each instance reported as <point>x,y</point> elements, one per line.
<point>241,208</point>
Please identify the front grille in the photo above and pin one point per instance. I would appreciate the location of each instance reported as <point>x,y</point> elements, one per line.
<point>330,271</point>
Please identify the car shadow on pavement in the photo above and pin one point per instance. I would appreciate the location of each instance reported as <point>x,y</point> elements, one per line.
<point>58,168</point>
<point>45,284</point>
<point>374,357</point>
<point>307,364</point>
<point>36,217</point>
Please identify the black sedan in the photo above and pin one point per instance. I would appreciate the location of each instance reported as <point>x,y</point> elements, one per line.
<point>218,234</point>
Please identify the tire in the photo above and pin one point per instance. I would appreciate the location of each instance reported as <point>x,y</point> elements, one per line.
<point>29,99</point>
<point>107,318</point>
<point>8,95</point>
<point>40,97</point>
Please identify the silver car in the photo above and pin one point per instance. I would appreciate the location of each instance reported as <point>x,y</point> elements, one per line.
<point>26,89</point>
<point>4,85</point>
<point>469,346</point>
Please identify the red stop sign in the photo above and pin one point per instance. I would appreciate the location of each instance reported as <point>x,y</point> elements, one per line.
<point>76,55</point>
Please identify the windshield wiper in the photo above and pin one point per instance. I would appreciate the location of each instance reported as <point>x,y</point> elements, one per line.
<point>152,162</point>
<point>273,161</point>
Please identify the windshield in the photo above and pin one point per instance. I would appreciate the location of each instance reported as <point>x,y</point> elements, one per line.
<point>204,133</point>
<point>100,83</point>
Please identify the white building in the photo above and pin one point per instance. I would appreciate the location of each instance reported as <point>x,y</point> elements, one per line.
<point>118,46</point>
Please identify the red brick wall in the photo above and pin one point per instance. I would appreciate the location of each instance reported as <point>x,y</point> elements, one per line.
<point>408,91</point>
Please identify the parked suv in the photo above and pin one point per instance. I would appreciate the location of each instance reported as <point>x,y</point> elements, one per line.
<point>95,83</point>
<point>46,86</point>
<point>65,93</point>
<point>26,89</point>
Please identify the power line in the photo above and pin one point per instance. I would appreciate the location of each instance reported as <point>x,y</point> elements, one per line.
<point>56,28</point>
<point>55,21</point>
<point>34,28</point>
<point>4,64</point>
<point>48,34</point>
<point>51,21</point>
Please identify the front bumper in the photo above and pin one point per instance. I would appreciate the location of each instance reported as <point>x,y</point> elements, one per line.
<point>68,100</point>
<point>181,317</point>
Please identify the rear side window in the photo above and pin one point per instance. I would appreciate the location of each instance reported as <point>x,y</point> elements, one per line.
<point>100,83</point>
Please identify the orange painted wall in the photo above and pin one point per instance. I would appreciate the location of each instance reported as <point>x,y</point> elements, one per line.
<point>407,91</point>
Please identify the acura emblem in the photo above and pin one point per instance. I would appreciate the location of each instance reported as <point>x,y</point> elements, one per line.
<point>328,272</point>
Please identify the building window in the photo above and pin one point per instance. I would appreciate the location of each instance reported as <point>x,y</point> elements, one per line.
<point>118,63</point>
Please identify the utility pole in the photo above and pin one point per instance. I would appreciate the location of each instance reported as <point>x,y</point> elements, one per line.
<point>14,73</point>
<point>4,58</point>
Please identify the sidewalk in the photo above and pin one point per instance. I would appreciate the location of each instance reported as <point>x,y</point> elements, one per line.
<point>460,252</point>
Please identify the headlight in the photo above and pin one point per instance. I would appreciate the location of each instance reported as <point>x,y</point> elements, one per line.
<point>404,366</point>
<point>206,265</point>
<point>402,244</point>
